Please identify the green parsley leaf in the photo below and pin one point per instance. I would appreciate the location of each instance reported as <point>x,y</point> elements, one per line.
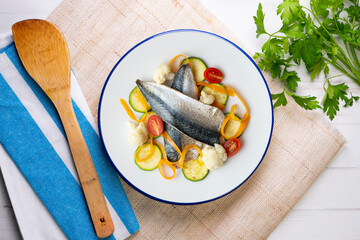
<point>280,99</point>
<point>286,45</point>
<point>331,99</point>
<point>273,47</point>
<point>351,100</point>
<point>353,12</point>
<point>272,63</point>
<point>291,79</point>
<point>306,102</point>
<point>293,31</point>
<point>259,21</point>
<point>307,50</point>
<point>288,9</point>
<point>317,68</point>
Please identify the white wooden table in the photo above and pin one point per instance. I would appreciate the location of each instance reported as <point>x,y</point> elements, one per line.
<point>331,207</point>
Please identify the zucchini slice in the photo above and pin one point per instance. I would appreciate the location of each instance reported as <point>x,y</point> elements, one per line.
<point>195,171</point>
<point>134,100</point>
<point>198,68</point>
<point>231,126</point>
<point>151,163</point>
<point>220,98</point>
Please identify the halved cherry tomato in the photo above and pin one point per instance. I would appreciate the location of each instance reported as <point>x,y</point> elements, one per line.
<point>232,146</point>
<point>213,75</point>
<point>155,125</point>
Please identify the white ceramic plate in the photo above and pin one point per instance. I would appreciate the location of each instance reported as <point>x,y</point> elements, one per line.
<point>240,72</point>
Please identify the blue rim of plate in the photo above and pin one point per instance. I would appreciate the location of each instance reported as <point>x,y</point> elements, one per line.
<point>99,120</point>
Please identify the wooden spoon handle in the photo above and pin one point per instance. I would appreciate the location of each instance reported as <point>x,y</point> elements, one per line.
<point>90,183</point>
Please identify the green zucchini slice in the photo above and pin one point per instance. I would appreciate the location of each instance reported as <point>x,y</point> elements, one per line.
<point>194,171</point>
<point>151,163</point>
<point>198,68</point>
<point>134,97</point>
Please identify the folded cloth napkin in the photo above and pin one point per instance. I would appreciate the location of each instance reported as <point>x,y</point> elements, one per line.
<point>32,138</point>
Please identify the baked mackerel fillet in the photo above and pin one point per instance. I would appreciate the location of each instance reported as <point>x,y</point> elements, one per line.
<point>197,120</point>
<point>183,82</point>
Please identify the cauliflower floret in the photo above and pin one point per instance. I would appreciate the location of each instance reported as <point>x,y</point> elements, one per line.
<point>139,134</point>
<point>214,157</point>
<point>206,98</point>
<point>163,73</point>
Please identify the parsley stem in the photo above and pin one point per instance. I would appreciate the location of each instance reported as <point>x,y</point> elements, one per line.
<point>341,69</point>
<point>321,25</point>
<point>350,56</point>
<point>353,52</point>
<point>327,80</point>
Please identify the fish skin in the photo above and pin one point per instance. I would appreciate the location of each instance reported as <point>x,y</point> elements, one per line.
<point>197,120</point>
<point>183,82</point>
<point>171,154</point>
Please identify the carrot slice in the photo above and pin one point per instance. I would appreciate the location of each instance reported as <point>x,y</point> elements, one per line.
<point>171,166</point>
<point>185,150</point>
<point>166,136</point>
<point>213,87</point>
<point>232,92</point>
<point>218,105</point>
<point>176,57</point>
<point>128,110</point>
<point>243,123</point>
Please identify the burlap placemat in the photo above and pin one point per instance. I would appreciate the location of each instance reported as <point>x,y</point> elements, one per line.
<point>99,32</point>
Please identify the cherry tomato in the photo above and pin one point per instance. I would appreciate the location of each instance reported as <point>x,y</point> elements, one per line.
<point>232,146</point>
<point>155,125</point>
<point>213,75</point>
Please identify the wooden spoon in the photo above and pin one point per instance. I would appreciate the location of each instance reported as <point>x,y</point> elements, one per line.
<point>45,54</point>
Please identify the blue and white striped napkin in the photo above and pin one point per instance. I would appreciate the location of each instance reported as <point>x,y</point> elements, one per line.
<point>34,143</point>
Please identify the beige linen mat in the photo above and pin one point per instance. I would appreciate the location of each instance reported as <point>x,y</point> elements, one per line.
<point>99,32</point>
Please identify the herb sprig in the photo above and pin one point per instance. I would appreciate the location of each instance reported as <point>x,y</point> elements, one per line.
<point>327,33</point>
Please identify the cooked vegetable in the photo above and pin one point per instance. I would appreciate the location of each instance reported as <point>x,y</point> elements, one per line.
<point>162,73</point>
<point>213,75</point>
<point>141,158</point>
<point>165,161</point>
<point>195,170</point>
<point>128,110</point>
<point>137,101</point>
<point>214,157</point>
<point>155,125</point>
<point>180,62</point>
<point>232,146</point>
<point>327,33</point>
<point>139,134</point>
<point>243,122</point>
<point>206,98</point>
<point>220,98</point>
<point>185,150</point>
<point>152,162</point>
<point>198,67</point>
<point>147,116</point>
<point>232,126</point>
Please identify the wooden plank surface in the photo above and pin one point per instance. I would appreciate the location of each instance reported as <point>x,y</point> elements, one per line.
<point>331,207</point>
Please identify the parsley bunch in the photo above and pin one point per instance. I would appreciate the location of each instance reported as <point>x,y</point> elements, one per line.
<point>327,33</point>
